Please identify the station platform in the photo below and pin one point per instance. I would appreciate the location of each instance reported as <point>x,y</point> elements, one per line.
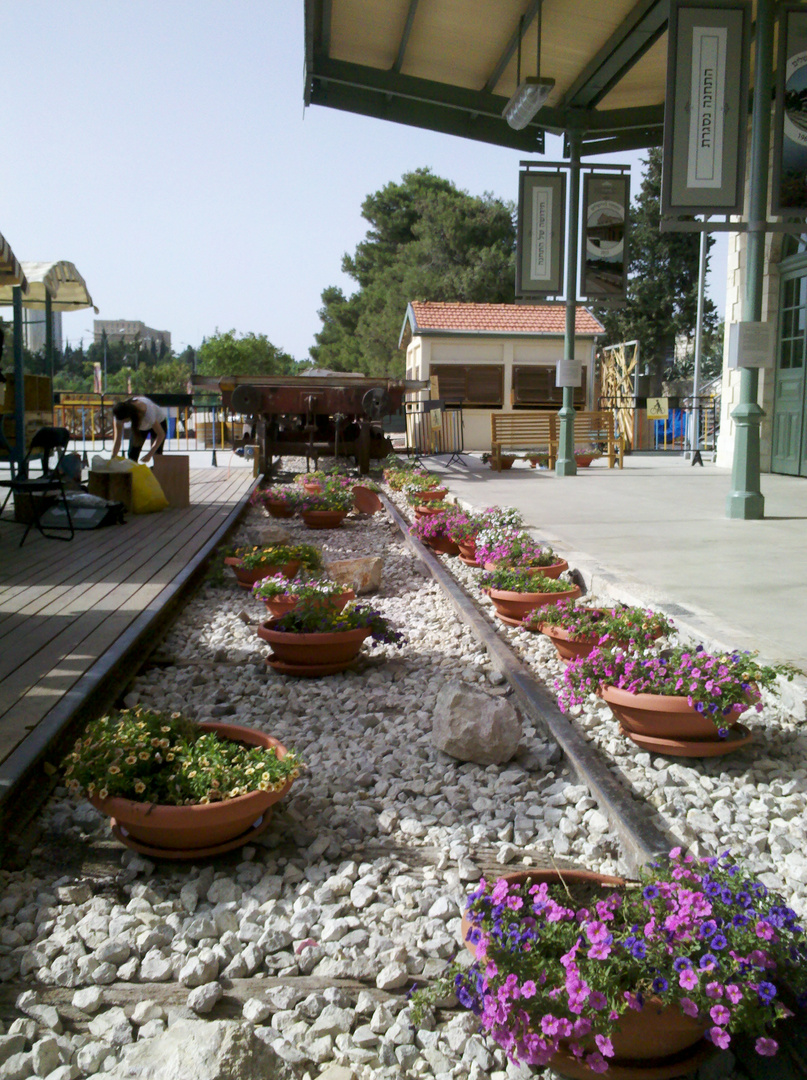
<point>656,532</point>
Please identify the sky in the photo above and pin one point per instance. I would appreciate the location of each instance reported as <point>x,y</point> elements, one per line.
<point>162,147</point>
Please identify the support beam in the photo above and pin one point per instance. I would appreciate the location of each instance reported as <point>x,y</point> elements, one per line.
<point>566,464</point>
<point>518,35</point>
<point>19,376</point>
<point>745,500</point>
<point>49,336</point>
<point>626,46</point>
<point>407,30</point>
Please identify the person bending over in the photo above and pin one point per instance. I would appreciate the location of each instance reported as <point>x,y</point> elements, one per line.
<point>146,419</point>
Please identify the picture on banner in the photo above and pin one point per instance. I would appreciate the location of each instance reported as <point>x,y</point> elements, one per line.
<point>604,255</point>
<point>705,109</point>
<point>541,223</point>
<point>790,150</point>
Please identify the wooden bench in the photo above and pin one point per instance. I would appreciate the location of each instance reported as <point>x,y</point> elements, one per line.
<point>526,430</point>
<point>540,431</point>
<point>597,429</point>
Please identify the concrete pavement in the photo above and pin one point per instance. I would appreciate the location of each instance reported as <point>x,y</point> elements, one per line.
<point>656,532</point>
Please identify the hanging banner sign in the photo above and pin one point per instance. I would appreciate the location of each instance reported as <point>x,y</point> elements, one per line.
<point>789,181</point>
<point>604,263</point>
<point>541,225</point>
<point>706,110</point>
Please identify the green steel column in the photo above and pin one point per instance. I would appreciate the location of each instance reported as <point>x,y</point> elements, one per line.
<point>566,465</point>
<point>745,500</point>
<point>49,336</point>
<point>19,376</point>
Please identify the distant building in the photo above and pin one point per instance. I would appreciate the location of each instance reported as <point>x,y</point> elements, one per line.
<point>129,331</point>
<point>33,329</point>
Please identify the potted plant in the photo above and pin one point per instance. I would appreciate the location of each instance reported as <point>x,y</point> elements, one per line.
<point>399,471</point>
<point>365,497</point>
<point>575,630</point>
<point>463,528</point>
<point>586,973</point>
<point>280,502</point>
<point>684,702</point>
<point>176,788</point>
<point>506,460</point>
<point>281,594</point>
<point>584,455</point>
<point>540,461</point>
<point>316,639</point>
<point>433,530</point>
<point>251,564</point>
<point>424,488</point>
<point>502,546</point>
<point>329,508</point>
<point>514,592</point>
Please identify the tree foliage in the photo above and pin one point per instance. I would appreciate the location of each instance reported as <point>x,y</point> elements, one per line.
<point>662,290</point>
<point>250,354</point>
<point>427,240</point>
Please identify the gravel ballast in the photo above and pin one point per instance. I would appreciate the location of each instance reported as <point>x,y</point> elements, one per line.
<point>313,934</point>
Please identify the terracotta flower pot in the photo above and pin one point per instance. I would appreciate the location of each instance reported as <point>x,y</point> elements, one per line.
<point>584,460</point>
<point>182,831</point>
<point>313,487</point>
<point>664,717</point>
<point>323,519</point>
<point>279,509</point>
<point>468,552</point>
<point>568,646</point>
<point>247,577</point>
<point>511,607</point>
<point>426,511</point>
<point>325,648</point>
<point>657,1041</point>
<point>431,495</point>
<point>366,501</point>
<point>443,545</point>
<point>281,605</point>
<point>507,461</point>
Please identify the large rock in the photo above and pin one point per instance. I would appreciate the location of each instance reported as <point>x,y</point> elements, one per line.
<point>204,1050</point>
<point>472,726</point>
<point>271,534</point>
<point>361,575</point>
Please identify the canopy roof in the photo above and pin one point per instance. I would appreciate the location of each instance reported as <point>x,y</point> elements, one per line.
<point>11,273</point>
<point>451,65</point>
<point>67,288</point>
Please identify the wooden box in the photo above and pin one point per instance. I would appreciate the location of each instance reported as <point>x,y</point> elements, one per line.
<point>114,486</point>
<point>173,471</point>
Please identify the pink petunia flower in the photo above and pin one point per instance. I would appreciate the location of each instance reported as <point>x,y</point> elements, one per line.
<point>688,1007</point>
<point>720,1014</point>
<point>766,1047</point>
<point>719,1037</point>
<point>687,979</point>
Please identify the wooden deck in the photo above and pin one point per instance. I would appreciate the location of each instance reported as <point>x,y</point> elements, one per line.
<point>69,612</point>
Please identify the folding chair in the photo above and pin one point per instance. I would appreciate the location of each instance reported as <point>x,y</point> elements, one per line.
<point>44,442</point>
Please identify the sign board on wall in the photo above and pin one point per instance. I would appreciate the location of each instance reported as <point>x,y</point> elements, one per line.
<point>603,270</point>
<point>541,225</point>
<point>789,181</point>
<point>706,108</point>
<point>658,408</point>
<point>751,344</point>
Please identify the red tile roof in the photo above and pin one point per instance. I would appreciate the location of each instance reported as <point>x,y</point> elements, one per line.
<point>433,318</point>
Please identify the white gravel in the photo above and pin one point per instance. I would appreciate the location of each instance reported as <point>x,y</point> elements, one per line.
<point>364,869</point>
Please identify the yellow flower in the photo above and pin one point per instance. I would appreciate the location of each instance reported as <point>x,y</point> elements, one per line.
<point>102,794</point>
<point>215,783</point>
<point>169,757</point>
<point>139,787</point>
<point>144,755</point>
<point>131,759</point>
<point>165,727</point>
<point>113,770</point>
<point>263,786</point>
<point>68,770</point>
<point>164,743</point>
<point>155,743</point>
<point>191,774</point>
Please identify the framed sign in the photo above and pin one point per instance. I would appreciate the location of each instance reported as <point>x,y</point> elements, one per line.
<point>751,344</point>
<point>706,108</point>
<point>789,181</point>
<point>541,224</point>
<point>603,256</point>
<point>658,408</point>
<point>569,373</point>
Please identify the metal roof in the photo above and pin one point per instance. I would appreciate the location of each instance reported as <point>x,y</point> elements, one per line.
<point>451,65</point>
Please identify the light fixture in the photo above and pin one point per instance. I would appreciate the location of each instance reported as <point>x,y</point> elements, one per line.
<point>527,100</point>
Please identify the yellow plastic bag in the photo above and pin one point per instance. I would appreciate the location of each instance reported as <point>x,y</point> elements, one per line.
<point>147,495</point>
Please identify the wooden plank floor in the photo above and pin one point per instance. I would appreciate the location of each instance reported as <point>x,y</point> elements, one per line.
<point>64,605</point>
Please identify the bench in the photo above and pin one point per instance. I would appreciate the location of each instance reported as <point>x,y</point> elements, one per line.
<point>540,431</point>
<point>523,431</point>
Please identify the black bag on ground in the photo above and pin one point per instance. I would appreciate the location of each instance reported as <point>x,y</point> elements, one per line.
<point>86,512</point>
